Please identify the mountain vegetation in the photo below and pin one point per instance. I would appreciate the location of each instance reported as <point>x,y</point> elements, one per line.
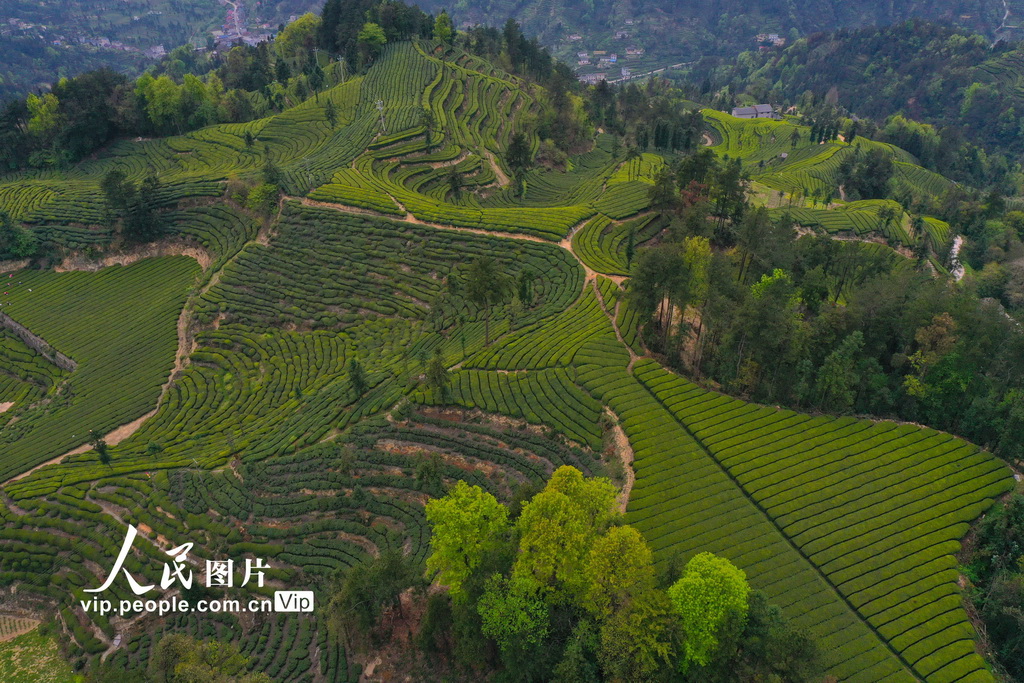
<point>683,31</point>
<point>523,379</point>
<point>961,88</point>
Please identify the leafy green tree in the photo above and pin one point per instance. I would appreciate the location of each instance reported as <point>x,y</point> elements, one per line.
<point>369,589</point>
<point>444,29</point>
<point>271,173</point>
<point>357,378</point>
<point>298,37</point>
<point>263,199</point>
<point>486,287</point>
<point>118,191</point>
<point>711,591</point>
<point>315,76</point>
<point>331,113</point>
<point>44,115</point>
<point>886,216</point>
<point>15,242</point>
<point>466,525</point>
<point>637,642</point>
<point>516,618</point>
<point>429,123</point>
<point>99,445</point>
<point>455,183</point>
<point>660,284</point>
<point>620,567</point>
<point>438,378</point>
<point>837,377</point>
<point>525,286</point>
<point>579,658</point>
<point>630,246</point>
<point>178,658</point>
<point>728,192</point>
<point>770,648</point>
<point>281,71</point>
<point>663,193</point>
<point>142,222</point>
<point>371,41</point>
<point>518,158</point>
<point>557,529</point>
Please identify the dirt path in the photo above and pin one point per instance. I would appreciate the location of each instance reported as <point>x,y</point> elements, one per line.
<point>503,180</point>
<point>4,407</point>
<point>186,344</point>
<point>708,140</point>
<point>625,452</point>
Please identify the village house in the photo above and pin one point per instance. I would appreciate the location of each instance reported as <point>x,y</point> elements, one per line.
<point>773,38</point>
<point>758,111</point>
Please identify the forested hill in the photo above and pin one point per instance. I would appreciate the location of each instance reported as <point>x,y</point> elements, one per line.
<point>929,72</point>
<point>690,28</point>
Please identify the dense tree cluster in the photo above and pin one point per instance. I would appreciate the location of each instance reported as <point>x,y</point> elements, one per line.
<point>653,117</point>
<point>673,31</point>
<point>996,569</point>
<point>351,28</point>
<point>560,589</point>
<point>15,242</point>
<point>189,89</point>
<point>135,206</point>
<point>733,294</point>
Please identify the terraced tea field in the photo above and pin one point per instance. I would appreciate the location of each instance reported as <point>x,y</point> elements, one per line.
<point>259,441</point>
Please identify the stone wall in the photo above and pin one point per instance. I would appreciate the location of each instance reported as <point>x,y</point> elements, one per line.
<point>38,343</point>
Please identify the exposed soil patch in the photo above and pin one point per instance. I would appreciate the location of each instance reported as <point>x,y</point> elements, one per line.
<point>4,407</point>
<point>620,442</point>
<point>12,627</point>
<point>10,266</point>
<point>503,180</point>
<point>79,261</point>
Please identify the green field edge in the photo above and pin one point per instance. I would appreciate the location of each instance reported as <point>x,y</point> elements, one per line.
<point>910,669</point>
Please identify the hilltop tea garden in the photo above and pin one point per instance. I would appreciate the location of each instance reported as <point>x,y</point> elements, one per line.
<point>277,365</point>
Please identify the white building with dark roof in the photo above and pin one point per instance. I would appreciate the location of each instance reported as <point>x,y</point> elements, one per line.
<point>758,111</point>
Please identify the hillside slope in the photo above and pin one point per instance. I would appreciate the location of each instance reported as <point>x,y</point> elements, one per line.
<point>263,440</point>
<point>688,30</point>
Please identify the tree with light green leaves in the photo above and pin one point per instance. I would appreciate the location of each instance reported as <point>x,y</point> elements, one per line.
<point>466,525</point>
<point>298,37</point>
<point>44,114</point>
<point>711,591</point>
<point>444,29</point>
<point>515,616</point>
<point>557,530</point>
<point>620,567</point>
<point>370,41</point>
